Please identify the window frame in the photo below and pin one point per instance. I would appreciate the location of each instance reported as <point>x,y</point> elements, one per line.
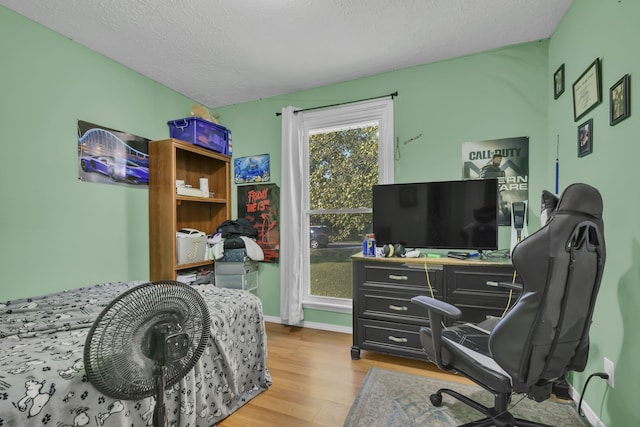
<point>332,119</point>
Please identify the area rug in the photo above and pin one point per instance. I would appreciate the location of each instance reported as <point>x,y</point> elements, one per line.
<point>396,399</point>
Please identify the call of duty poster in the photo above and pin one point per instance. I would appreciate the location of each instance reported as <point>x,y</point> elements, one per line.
<point>506,159</point>
<point>260,204</point>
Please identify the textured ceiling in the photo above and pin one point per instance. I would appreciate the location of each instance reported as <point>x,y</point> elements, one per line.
<point>223,52</point>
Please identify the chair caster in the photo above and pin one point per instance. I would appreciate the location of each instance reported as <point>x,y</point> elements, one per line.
<point>436,399</point>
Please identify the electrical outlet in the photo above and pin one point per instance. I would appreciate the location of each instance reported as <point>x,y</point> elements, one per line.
<point>608,368</point>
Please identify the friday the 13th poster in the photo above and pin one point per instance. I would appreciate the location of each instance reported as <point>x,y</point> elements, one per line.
<point>259,204</point>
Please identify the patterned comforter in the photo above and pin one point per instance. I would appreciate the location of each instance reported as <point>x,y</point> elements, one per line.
<point>42,377</point>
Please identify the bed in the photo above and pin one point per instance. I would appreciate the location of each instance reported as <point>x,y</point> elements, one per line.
<point>42,378</point>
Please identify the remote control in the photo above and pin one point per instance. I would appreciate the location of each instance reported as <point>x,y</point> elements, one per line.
<point>457,256</point>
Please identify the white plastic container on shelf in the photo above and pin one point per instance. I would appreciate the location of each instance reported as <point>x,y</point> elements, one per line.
<point>191,246</point>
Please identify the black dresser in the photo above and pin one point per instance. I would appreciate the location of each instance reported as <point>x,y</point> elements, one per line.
<point>385,319</point>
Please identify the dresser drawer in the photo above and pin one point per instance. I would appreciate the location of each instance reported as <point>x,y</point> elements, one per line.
<point>390,305</point>
<point>467,289</point>
<point>401,274</point>
<point>391,338</point>
<point>464,283</point>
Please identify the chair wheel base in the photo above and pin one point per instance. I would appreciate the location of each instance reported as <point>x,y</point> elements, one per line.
<point>498,416</point>
<point>436,399</point>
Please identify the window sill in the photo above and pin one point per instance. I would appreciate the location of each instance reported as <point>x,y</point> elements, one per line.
<point>329,306</point>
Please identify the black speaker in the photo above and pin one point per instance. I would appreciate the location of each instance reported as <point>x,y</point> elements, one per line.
<point>519,211</point>
<point>519,228</point>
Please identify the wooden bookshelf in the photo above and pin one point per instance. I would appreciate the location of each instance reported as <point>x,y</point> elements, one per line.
<point>169,160</point>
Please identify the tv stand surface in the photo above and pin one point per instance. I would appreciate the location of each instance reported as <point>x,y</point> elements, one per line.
<point>384,318</point>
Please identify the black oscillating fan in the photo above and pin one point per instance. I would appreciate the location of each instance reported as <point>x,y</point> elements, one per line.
<point>145,340</point>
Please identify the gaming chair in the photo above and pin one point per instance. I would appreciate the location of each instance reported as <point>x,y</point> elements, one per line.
<point>546,332</point>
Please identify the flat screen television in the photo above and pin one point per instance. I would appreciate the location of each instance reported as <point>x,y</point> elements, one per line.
<point>440,215</point>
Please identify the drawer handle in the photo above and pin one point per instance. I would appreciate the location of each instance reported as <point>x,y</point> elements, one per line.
<point>398,307</point>
<point>396,339</point>
<point>395,277</point>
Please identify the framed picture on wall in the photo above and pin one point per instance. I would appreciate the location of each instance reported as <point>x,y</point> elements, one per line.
<point>619,102</point>
<point>585,138</point>
<point>251,169</point>
<point>558,82</point>
<point>587,91</point>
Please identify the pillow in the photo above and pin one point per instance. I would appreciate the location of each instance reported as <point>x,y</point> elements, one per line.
<point>549,204</point>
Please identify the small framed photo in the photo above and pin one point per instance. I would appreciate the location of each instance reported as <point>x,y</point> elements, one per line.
<point>585,138</point>
<point>619,102</point>
<point>558,82</point>
<point>587,91</point>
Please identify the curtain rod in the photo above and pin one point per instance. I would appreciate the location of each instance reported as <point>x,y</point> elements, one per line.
<point>392,95</point>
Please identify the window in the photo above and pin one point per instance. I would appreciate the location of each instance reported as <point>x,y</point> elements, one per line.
<point>347,150</point>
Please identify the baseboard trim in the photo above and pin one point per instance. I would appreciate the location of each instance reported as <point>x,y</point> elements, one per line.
<point>589,414</point>
<point>314,325</point>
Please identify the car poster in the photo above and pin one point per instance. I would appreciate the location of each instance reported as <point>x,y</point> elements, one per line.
<point>260,204</point>
<point>506,159</point>
<point>110,156</point>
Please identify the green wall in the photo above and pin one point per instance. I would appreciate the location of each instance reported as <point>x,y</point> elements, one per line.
<point>58,232</point>
<point>497,94</point>
<point>605,29</point>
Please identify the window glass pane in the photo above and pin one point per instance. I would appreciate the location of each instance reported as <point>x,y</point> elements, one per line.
<point>343,166</point>
<point>331,249</point>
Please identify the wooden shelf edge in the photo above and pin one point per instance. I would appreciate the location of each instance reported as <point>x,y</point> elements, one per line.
<point>184,145</point>
<point>200,199</point>
<point>193,265</point>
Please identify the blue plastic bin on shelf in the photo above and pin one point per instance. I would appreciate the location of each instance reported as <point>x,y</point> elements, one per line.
<point>201,132</point>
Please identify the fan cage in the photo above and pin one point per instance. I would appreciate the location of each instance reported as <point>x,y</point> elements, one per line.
<point>115,357</point>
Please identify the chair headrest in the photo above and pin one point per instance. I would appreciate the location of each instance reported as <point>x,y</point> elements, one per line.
<point>581,198</point>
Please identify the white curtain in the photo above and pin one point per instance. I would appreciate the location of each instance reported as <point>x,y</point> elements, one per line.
<point>291,220</point>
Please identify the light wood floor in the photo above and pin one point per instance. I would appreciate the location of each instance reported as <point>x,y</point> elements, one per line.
<point>315,382</point>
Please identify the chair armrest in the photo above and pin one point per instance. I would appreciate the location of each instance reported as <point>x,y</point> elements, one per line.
<point>508,285</point>
<point>437,311</point>
<point>436,306</point>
